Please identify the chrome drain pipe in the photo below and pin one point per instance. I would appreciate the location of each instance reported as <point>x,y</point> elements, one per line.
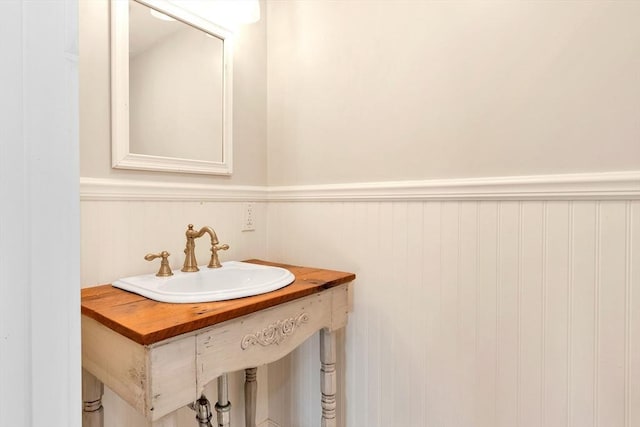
<point>223,407</point>
<point>203,411</point>
<point>202,407</point>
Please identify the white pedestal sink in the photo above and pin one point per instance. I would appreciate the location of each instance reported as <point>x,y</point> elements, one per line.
<point>233,280</point>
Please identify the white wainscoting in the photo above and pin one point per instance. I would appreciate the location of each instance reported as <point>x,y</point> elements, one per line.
<point>118,232</point>
<point>476,304</point>
<point>471,313</point>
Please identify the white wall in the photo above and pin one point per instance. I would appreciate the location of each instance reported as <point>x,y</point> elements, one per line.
<point>393,90</point>
<point>517,310</point>
<point>39,232</point>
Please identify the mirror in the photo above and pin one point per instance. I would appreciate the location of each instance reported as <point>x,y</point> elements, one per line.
<point>171,89</point>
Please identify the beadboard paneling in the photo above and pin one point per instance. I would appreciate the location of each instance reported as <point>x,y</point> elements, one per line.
<point>117,234</point>
<point>471,313</point>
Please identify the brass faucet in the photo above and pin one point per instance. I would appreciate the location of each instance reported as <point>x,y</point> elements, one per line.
<point>190,263</point>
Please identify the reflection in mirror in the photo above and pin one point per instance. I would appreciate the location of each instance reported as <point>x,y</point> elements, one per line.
<point>171,87</point>
<point>175,87</point>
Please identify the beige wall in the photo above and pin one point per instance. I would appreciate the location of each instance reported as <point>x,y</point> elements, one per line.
<point>249,102</point>
<point>376,91</point>
<point>484,313</point>
<point>392,90</point>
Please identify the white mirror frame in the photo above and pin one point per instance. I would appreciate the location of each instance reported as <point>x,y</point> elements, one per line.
<point>121,156</point>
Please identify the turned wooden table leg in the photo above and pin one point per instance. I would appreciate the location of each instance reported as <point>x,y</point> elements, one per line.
<point>250,396</point>
<point>92,391</point>
<point>328,383</point>
<point>223,407</point>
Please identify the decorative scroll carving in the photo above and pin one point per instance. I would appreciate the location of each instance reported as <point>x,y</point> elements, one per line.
<point>274,333</point>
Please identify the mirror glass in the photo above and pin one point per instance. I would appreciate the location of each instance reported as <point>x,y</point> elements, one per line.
<point>175,87</point>
<point>171,92</point>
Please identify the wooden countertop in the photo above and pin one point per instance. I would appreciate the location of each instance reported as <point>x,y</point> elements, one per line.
<point>146,321</point>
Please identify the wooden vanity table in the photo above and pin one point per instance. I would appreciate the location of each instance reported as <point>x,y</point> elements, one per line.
<point>158,357</point>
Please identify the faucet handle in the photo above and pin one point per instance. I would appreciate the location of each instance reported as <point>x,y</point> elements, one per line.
<point>220,247</point>
<point>214,262</point>
<point>165,270</point>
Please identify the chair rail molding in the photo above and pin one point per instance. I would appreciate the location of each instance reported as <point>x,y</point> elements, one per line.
<point>594,186</point>
<point>585,186</point>
<point>95,189</point>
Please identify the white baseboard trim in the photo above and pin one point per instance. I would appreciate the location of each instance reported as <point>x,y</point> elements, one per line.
<point>593,186</point>
<point>268,423</point>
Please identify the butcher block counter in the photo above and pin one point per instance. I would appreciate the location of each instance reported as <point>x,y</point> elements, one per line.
<point>159,356</point>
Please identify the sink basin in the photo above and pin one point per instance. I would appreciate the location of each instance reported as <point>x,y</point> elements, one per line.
<point>233,280</point>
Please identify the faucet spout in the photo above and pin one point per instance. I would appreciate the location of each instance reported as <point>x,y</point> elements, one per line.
<point>190,262</point>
